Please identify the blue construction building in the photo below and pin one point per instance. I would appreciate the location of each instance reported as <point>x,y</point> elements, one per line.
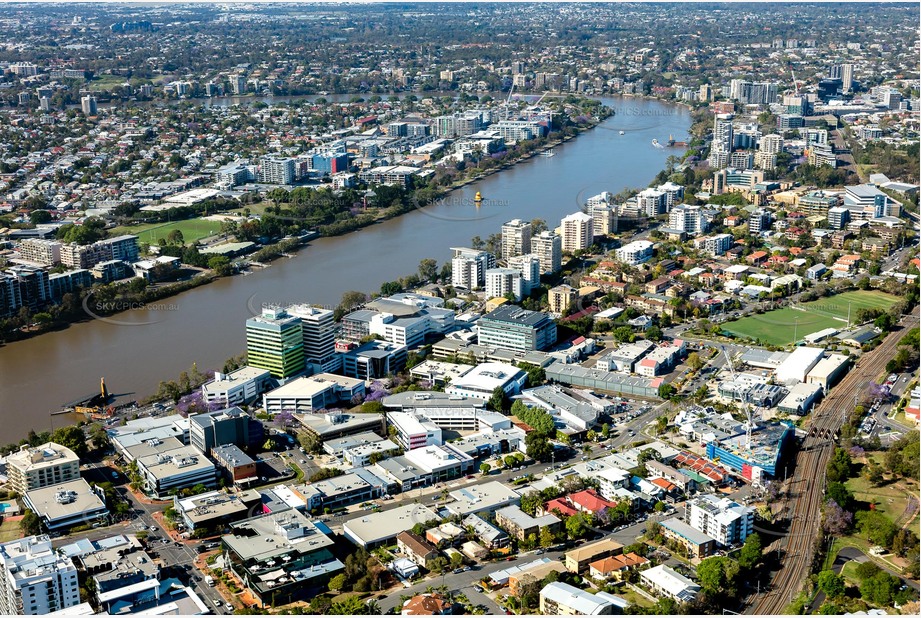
<point>767,446</point>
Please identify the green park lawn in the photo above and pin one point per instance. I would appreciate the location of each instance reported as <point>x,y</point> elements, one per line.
<point>890,500</point>
<point>780,326</point>
<point>192,230</point>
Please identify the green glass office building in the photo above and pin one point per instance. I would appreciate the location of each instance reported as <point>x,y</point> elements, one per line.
<point>275,341</point>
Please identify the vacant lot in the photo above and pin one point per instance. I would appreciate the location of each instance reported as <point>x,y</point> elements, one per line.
<point>781,326</point>
<point>192,230</point>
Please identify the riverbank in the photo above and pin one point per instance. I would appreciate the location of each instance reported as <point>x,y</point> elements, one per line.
<point>135,301</point>
<point>136,347</point>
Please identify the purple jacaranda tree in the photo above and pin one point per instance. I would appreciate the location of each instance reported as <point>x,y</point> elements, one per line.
<point>604,516</point>
<point>771,491</point>
<point>283,419</point>
<point>377,392</point>
<point>878,392</point>
<point>837,520</point>
<point>191,404</point>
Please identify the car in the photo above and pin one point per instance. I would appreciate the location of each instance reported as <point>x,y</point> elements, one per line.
<point>228,607</point>
<point>539,552</point>
<point>310,457</point>
<point>510,558</point>
<point>465,569</point>
<point>478,588</point>
<point>153,528</point>
<point>456,571</point>
<point>217,602</point>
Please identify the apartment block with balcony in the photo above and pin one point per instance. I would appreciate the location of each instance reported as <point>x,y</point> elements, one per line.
<point>48,464</point>
<point>726,521</point>
<point>37,579</point>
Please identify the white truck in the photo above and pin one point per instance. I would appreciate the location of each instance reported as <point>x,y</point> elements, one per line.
<point>209,580</point>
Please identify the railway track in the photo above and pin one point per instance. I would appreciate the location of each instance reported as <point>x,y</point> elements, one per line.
<point>807,487</point>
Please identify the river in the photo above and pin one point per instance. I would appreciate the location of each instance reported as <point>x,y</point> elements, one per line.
<point>137,349</point>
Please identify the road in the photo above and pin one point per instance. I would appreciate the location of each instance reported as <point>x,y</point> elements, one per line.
<point>794,549</point>
<point>464,582</point>
<point>174,556</point>
<point>889,430</point>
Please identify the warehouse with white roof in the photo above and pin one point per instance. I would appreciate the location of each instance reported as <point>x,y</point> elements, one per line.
<point>798,365</point>
<point>376,529</point>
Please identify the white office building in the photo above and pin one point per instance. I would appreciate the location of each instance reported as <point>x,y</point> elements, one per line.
<point>578,231</point>
<point>482,380</point>
<point>319,330</point>
<point>413,431</point>
<point>175,467</point>
<point>238,387</point>
<point>37,579</point>
<point>318,392</point>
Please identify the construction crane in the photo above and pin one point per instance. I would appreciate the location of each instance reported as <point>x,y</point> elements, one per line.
<point>508,101</point>
<point>795,85</point>
<point>534,109</point>
<point>746,408</point>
